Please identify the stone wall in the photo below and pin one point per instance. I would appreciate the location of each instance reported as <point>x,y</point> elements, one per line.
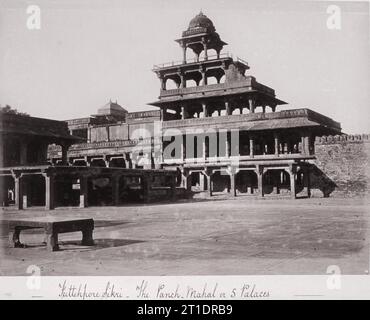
<point>341,166</point>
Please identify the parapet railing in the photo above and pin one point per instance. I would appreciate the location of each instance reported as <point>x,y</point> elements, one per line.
<point>342,138</point>
<point>195,60</point>
<point>248,82</point>
<point>258,116</point>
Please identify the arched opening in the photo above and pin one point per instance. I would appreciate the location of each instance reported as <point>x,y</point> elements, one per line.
<point>97,163</point>
<point>236,111</point>
<point>191,83</point>
<point>221,182</point>
<point>171,84</point>
<point>212,80</point>
<point>7,192</point>
<point>246,182</point>
<point>79,163</point>
<point>34,188</point>
<point>223,78</point>
<point>276,181</point>
<point>117,163</point>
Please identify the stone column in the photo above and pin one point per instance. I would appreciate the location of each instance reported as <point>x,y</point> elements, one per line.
<point>276,140</point>
<point>202,184</point>
<point>208,175</point>
<point>251,146</point>
<point>251,102</point>
<point>205,50</point>
<point>183,148</point>
<point>18,190</point>
<point>232,173</point>
<point>227,108</point>
<point>83,191</point>
<point>293,175</point>
<point>88,134</point>
<point>204,78</point>
<point>184,53</point>
<point>49,191</point>
<point>183,113</point>
<point>227,145</point>
<point>259,172</point>
<point>163,83</point>
<point>186,179</point>
<point>308,181</point>
<point>183,82</point>
<point>205,111</point>
<point>204,148</point>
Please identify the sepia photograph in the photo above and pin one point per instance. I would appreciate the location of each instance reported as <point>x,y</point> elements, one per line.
<point>201,149</point>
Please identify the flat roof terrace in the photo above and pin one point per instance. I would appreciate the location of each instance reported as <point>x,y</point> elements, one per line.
<point>295,118</point>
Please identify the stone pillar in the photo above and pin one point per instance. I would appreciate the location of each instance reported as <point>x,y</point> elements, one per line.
<point>183,82</point>
<point>88,134</point>
<point>23,153</point>
<point>205,50</point>
<point>259,172</point>
<point>308,181</point>
<point>107,128</point>
<point>227,145</point>
<point>306,144</point>
<point>204,148</point>
<point>49,191</point>
<point>232,175</point>
<point>264,109</point>
<point>183,113</point>
<point>83,191</point>
<point>276,140</point>
<point>251,102</point>
<point>115,190</point>
<point>208,176</point>
<point>251,146</point>
<point>205,111</point>
<point>293,175</point>
<point>184,53</point>
<point>183,148</point>
<point>18,190</point>
<point>163,83</point>
<point>204,78</point>
<point>227,108</point>
<point>202,182</point>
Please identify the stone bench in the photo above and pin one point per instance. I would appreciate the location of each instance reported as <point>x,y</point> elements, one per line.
<point>52,227</point>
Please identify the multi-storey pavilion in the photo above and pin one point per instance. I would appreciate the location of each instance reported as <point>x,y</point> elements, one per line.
<point>274,148</point>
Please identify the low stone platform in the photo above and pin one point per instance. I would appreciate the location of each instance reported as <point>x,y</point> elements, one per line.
<point>52,227</point>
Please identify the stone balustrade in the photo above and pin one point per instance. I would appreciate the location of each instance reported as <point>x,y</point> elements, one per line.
<point>343,138</point>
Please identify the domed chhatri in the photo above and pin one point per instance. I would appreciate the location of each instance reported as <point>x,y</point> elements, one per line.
<point>201,21</point>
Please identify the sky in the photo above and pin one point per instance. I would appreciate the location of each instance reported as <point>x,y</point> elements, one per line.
<point>87,52</point>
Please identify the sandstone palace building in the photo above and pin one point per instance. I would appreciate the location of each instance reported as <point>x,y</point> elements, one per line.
<point>216,129</point>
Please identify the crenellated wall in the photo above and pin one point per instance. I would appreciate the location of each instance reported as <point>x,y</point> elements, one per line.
<point>342,166</point>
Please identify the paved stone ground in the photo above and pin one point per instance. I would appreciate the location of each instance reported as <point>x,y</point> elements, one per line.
<point>219,237</point>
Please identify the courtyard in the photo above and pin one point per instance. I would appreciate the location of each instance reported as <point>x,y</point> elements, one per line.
<point>241,236</point>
